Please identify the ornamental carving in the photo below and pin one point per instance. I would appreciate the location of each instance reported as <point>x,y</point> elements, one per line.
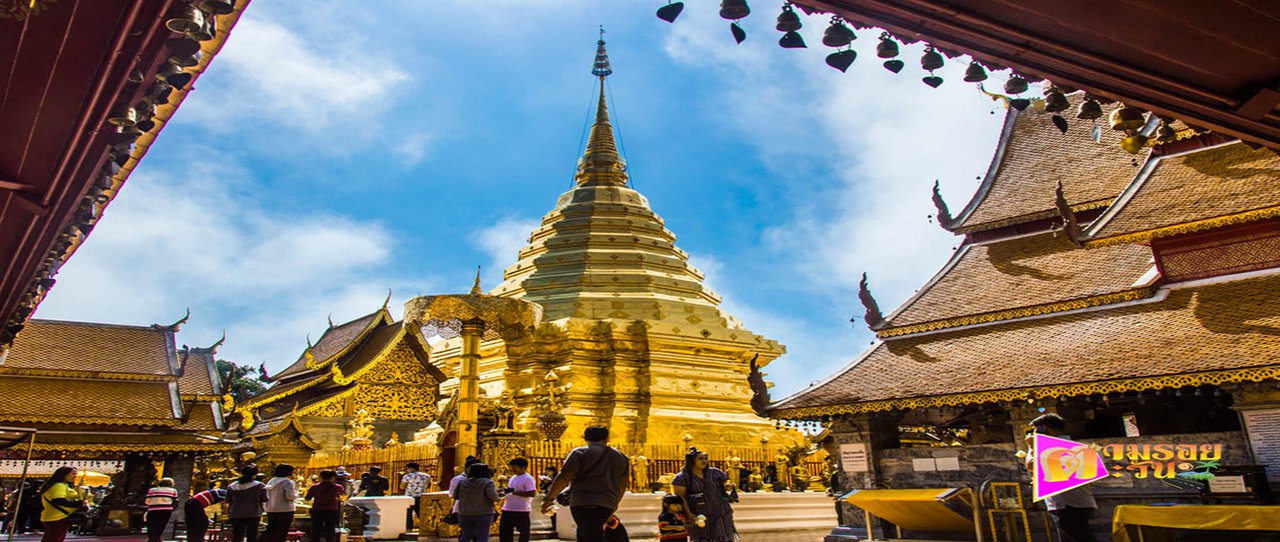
<point>400,366</point>
<point>441,315</point>
<point>397,402</point>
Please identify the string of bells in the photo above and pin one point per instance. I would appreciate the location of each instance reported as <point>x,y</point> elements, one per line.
<point>1138,130</point>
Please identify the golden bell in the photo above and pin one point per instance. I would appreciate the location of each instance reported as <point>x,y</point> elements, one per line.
<point>1055,101</point>
<point>788,20</point>
<point>837,35</point>
<point>1015,85</point>
<point>187,20</point>
<point>975,73</point>
<point>931,60</point>
<point>1089,109</point>
<point>1128,118</point>
<point>887,48</point>
<point>734,9</point>
<point>218,7</point>
<point>1133,144</point>
<point>123,116</point>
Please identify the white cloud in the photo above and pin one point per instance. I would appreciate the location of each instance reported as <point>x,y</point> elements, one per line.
<point>414,148</point>
<point>199,239</point>
<point>502,242</point>
<point>268,71</point>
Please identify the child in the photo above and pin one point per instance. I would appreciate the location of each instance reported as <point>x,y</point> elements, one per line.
<point>671,521</point>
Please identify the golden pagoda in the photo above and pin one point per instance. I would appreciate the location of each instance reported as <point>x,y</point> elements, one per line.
<point>629,333</point>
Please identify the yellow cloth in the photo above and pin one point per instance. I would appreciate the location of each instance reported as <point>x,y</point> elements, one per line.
<point>1221,517</point>
<point>59,490</point>
<point>914,509</point>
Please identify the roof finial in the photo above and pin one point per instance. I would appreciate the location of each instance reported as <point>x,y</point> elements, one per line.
<point>174,327</point>
<point>1070,226</point>
<point>874,318</point>
<point>475,288</point>
<point>944,214</point>
<point>600,163</point>
<point>213,348</point>
<point>387,302</point>
<point>331,319</point>
<point>601,68</point>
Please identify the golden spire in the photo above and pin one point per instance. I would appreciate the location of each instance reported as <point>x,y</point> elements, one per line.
<point>600,164</point>
<point>475,288</point>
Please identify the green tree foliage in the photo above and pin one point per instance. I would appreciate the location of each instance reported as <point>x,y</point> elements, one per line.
<point>243,381</point>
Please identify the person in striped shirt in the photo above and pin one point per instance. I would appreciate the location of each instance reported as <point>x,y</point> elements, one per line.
<point>197,518</point>
<point>161,500</point>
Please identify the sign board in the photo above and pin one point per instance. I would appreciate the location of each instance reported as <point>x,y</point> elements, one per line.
<point>1263,428</point>
<point>947,463</point>
<point>853,457</point>
<point>1227,484</point>
<point>924,464</point>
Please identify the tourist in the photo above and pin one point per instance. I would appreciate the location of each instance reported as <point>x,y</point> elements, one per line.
<point>61,500</point>
<point>1070,509</point>
<point>161,500</point>
<point>544,484</point>
<point>598,475</point>
<point>281,493</point>
<point>344,479</point>
<point>416,483</point>
<point>772,480</point>
<point>326,506</point>
<point>462,475</point>
<point>28,507</point>
<point>374,484</point>
<point>245,498</point>
<point>706,493</point>
<point>474,498</point>
<point>196,518</point>
<point>518,504</point>
<point>671,522</point>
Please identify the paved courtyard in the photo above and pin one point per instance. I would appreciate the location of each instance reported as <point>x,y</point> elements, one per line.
<point>787,536</point>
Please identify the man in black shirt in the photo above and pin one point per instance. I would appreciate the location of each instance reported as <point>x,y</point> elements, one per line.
<point>599,476</point>
<point>373,484</point>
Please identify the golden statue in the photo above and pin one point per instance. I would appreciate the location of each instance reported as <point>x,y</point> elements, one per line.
<point>505,409</point>
<point>800,478</point>
<point>734,462</point>
<point>394,441</point>
<point>781,461</point>
<point>640,474</point>
<point>361,433</point>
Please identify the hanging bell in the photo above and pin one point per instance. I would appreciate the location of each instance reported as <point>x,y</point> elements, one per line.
<point>1055,101</point>
<point>123,115</point>
<point>207,31</point>
<point>218,7</point>
<point>975,73</point>
<point>887,48</point>
<point>1015,85</point>
<point>788,20</point>
<point>187,20</point>
<point>1127,118</point>
<point>734,9</point>
<point>1133,144</point>
<point>931,60</point>
<point>173,75</point>
<point>1166,133</point>
<point>145,108</point>
<point>186,61</point>
<point>838,35</point>
<point>1089,109</point>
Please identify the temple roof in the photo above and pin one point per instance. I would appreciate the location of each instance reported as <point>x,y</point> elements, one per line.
<point>1031,157</point>
<point>200,376</point>
<point>202,416</point>
<point>1189,189</point>
<point>86,401</point>
<point>1217,327</point>
<point>335,341</point>
<point>1032,271</point>
<point>82,346</point>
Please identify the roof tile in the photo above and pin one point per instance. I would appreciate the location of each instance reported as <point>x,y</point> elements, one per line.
<point>80,346</point>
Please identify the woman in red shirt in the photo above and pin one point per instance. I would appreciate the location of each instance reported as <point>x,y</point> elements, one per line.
<point>326,496</point>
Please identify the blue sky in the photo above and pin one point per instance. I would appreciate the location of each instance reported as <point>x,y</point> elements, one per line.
<point>336,150</point>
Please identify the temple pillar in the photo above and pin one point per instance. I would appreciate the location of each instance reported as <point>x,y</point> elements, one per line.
<point>181,468</point>
<point>500,447</point>
<point>877,432</point>
<point>469,389</point>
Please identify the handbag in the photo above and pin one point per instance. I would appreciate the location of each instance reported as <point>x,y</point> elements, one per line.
<point>565,497</point>
<point>451,518</point>
<point>75,517</point>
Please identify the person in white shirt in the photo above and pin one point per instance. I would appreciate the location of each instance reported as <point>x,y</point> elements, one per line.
<point>281,494</point>
<point>415,483</point>
<point>1072,509</point>
<point>518,504</point>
